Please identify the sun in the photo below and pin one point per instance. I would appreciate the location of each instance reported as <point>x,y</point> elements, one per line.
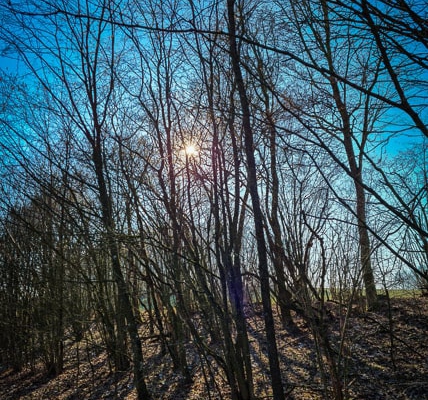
<point>190,150</point>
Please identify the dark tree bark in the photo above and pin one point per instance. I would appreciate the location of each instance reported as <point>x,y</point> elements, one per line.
<point>123,292</point>
<point>355,168</point>
<point>276,380</point>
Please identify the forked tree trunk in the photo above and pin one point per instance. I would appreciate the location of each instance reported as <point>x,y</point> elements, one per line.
<point>356,172</point>
<point>357,176</point>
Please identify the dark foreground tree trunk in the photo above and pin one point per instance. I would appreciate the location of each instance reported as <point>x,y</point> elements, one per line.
<point>123,293</point>
<point>276,381</point>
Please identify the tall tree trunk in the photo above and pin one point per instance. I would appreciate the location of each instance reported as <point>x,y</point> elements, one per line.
<point>355,169</point>
<point>232,367</point>
<point>357,176</point>
<point>123,295</point>
<point>279,258</point>
<point>275,372</point>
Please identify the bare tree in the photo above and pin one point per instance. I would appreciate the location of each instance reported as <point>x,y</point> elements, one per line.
<point>275,371</point>
<point>80,56</point>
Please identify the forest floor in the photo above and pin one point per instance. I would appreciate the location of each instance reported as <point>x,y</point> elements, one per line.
<point>378,363</point>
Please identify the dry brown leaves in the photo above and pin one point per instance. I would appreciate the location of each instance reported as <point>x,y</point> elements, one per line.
<point>377,363</point>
